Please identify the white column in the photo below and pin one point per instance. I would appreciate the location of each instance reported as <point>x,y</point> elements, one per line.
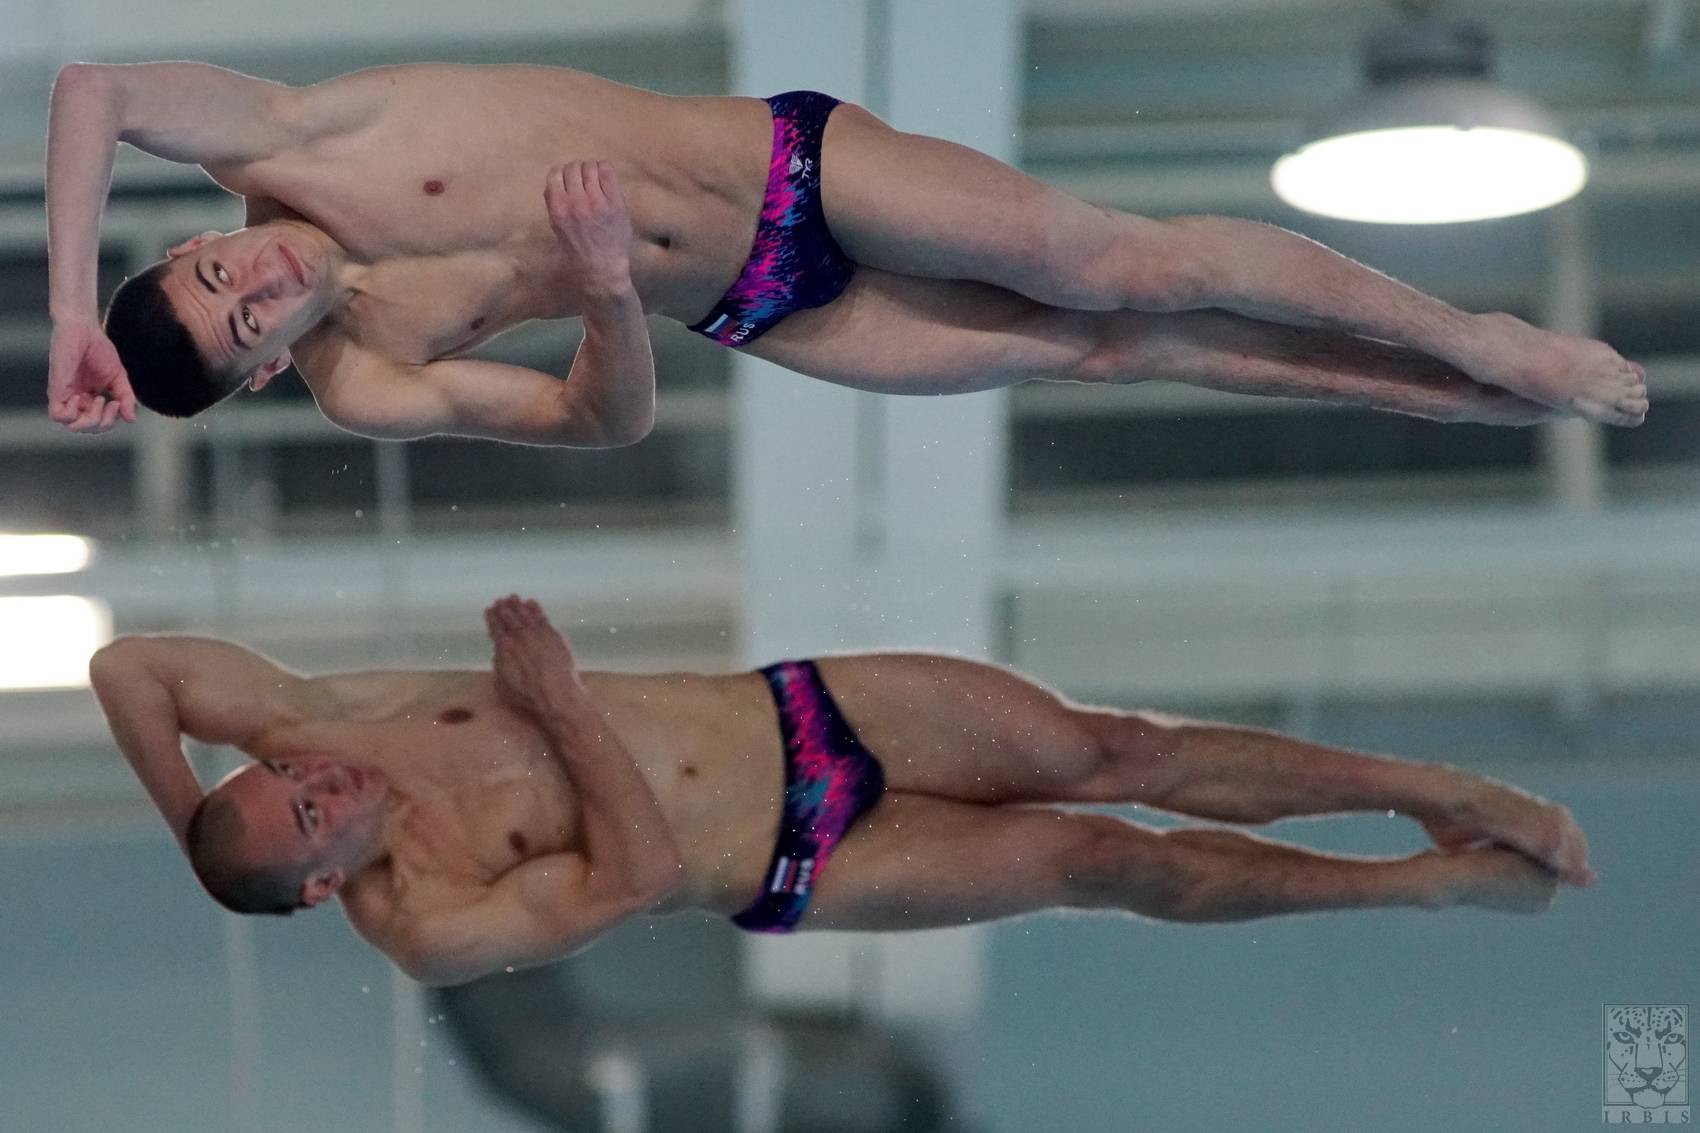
<point>953,72</point>
<point>1573,450</point>
<point>874,521</point>
<point>796,476</point>
<point>795,469</point>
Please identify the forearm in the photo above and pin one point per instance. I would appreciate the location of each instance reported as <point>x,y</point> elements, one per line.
<point>609,395</point>
<point>144,719</point>
<point>1269,273</point>
<point>83,128</point>
<point>628,842</point>
<point>1237,774</point>
<point>1236,354</point>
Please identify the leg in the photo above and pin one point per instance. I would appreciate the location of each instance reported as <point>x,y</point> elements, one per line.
<point>917,863</point>
<point>901,334</point>
<point>1237,774</point>
<point>963,730</point>
<point>956,213</point>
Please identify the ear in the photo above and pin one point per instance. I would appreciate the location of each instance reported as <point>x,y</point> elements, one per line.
<point>321,887</point>
<point>191,244</point>
<point>259,379</point>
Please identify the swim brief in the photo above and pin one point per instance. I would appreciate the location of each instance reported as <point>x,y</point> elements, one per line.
<point>830,781</point>
<point>795,263</point>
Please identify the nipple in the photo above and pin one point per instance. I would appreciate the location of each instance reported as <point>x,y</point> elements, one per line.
<point>434,187</point>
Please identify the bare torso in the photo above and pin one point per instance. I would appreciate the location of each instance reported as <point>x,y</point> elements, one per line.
<point>478,790</point>
<point>432,176</point>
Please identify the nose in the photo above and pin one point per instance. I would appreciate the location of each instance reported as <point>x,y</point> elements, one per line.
<point>330,779</point>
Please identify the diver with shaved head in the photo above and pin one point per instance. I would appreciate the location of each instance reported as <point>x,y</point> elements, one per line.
<point>471,821</point>
<point>400,216</point>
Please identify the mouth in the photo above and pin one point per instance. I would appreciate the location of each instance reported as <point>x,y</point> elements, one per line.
<point>290,260</point>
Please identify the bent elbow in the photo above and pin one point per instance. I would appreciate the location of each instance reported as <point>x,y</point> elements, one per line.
<point>433,971</point>
<point>661,884</point>
<point>116,655</point>
<point>73,76</point>
<point>628,433</point>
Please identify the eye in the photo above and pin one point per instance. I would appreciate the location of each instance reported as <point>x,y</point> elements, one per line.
<point>250,321</point>
<point>311,812</point>
<point>220,274</point>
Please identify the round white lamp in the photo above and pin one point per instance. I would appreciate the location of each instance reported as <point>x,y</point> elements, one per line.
<point>1433,141</point>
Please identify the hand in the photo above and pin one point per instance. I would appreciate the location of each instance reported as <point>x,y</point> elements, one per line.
<point>588,213</point>
<point>87,389</point>
<point>533,663</point>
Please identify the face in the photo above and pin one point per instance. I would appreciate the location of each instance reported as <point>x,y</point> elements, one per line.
<point>325,815</point>
<point>246,296</point>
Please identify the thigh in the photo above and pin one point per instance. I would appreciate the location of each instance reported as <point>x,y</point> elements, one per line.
<point>964,730</point>
<point>890,333</point>
<point>916,863</point>
<point>924,206</point>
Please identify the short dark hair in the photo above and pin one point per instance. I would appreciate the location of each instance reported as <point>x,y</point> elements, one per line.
<point>214,830</point>
<point>166,371</point>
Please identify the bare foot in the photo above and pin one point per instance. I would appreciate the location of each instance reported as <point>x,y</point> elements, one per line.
<point>1499,879</point>
<point>1563,371</point>
<point>1491,405</point>
<point>1494,814</point>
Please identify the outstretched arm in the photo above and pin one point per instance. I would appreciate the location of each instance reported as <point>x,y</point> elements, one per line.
<point>186,112</point>
<point>156,690</point>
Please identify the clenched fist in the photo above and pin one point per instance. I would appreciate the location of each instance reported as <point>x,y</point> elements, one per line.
<point>87,388</point>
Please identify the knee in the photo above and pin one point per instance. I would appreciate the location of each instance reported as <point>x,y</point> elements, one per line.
<point>1168,267</point>
<point>1134,756</point>
<point>1115,349</point>
<point>1109,863</point>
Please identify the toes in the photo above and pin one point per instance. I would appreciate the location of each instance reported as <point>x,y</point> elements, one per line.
<point>1626,414</point>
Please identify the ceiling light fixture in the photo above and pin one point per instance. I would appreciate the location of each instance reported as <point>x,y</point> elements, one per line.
<point>1433,140</point>
<point>43,554</point>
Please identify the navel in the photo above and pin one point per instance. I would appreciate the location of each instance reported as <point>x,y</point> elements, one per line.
<point>663,241</point>
<point>688,771</point>
<point>517,841</point>
<point>434,187</point>
<point>455,716</point>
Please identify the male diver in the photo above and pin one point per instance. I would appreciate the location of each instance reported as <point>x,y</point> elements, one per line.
<point>472,821</point>
<point>399,216</point>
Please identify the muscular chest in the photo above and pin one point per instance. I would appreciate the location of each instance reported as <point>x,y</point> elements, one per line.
<point>483,791</point>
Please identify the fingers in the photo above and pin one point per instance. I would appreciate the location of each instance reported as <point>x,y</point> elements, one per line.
<point>591,182</point>
<point>513,615</point>
<point>81,412</point>
<point>609,184</point>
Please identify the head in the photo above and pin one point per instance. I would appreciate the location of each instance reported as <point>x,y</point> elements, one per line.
<point>220,312</point>
<point>280,835</point>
